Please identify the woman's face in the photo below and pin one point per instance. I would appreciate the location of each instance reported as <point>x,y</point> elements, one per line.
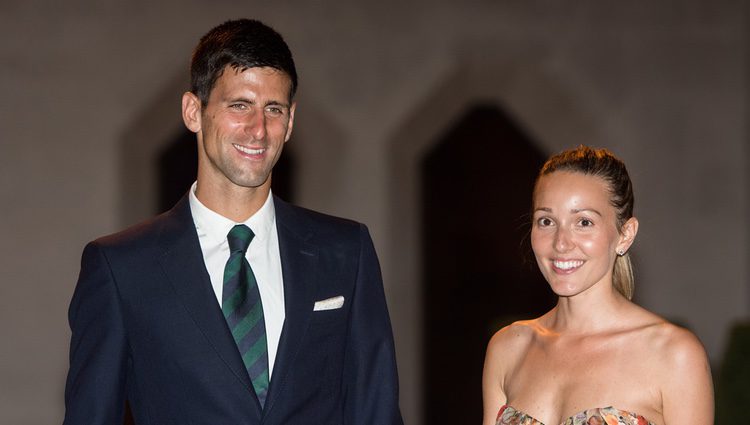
<point>574,232</point>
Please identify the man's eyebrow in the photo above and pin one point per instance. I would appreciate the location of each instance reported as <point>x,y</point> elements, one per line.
<point>253,102</point>
<point>240,99</point>
<point>277,103</point>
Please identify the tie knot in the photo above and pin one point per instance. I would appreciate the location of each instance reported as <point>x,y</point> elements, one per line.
<point>239,238</point>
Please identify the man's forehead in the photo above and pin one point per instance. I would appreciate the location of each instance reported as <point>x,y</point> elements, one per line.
<point>238,70</point>
<point>251,74</point>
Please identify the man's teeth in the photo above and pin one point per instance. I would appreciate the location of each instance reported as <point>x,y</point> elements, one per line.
<point>566,265</point>
<point>249,151</point>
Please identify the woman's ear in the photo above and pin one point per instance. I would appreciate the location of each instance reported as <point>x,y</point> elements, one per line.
<point>627,235</point>
<point>191,112</point>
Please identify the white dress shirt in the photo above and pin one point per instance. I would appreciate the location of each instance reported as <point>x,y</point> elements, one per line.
<point>262,254</point>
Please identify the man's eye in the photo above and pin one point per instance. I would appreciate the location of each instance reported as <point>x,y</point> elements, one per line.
<point>238,106</point>
<point>275,110</point>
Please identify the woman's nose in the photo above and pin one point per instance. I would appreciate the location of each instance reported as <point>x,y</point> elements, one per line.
<point>563,242</point>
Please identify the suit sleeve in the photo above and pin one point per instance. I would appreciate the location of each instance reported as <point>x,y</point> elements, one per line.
<point>370,377</point>
<point>95,386</point>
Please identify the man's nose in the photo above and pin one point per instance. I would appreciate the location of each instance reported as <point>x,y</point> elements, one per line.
<point>256,125</point>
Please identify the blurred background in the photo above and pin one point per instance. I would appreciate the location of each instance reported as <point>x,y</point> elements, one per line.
<point>426,120</point>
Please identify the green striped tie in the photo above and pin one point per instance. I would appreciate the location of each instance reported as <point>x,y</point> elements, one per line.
<point>243,310</point>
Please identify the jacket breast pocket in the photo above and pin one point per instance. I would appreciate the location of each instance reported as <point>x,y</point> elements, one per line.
<point>332,317</point>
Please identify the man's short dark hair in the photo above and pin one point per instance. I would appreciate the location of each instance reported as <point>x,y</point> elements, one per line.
<point>241,44</point>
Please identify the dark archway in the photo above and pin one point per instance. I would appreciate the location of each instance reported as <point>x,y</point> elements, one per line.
<point>176,170</point>
<point>178,166</point>
<point>477,266</point>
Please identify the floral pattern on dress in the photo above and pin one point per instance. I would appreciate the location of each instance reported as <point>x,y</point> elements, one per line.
<point>599,416</point>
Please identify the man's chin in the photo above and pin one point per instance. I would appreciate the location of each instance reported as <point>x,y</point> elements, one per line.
<point>252,182</point>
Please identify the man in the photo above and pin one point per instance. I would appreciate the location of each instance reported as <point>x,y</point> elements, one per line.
<point>234,307</point>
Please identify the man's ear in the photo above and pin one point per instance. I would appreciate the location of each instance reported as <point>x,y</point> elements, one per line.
<point>627,234</point>
<point>291,122</point>
<point>191,112</point>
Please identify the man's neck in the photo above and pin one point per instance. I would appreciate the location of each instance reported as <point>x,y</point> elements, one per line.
<point>231,201</point>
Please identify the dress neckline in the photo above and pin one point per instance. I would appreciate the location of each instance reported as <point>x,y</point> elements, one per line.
<point>621,417</point>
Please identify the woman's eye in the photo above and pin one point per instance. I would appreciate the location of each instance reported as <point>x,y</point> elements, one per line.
<point>585,222</point>
<point>544,221</point>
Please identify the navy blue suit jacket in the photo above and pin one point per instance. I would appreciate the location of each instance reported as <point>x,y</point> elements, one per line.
<point>146,328</point>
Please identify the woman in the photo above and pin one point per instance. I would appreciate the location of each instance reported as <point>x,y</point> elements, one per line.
<point>595,358</point>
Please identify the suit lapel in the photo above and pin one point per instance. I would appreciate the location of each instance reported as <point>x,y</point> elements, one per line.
<point>299,261</point>
<point>183,264</point>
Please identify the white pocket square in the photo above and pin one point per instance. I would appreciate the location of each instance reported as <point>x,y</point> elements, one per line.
<point>329,303</point>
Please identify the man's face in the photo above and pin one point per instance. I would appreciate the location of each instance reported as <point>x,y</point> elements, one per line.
<point>242,128</point>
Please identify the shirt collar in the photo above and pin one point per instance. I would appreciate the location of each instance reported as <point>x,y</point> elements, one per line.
<point>215,226</point>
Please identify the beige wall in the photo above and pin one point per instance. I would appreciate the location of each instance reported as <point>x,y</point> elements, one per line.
<point>87,88</point>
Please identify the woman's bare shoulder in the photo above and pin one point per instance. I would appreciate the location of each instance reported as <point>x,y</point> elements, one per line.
<point>668,349</point>
<point>677,346</point>
<point>662,335</point>
<point>681,368</point>
<point>514,338</point>
<point>506,349</point>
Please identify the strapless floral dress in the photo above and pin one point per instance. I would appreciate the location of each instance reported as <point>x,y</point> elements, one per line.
<point>599,416</point>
